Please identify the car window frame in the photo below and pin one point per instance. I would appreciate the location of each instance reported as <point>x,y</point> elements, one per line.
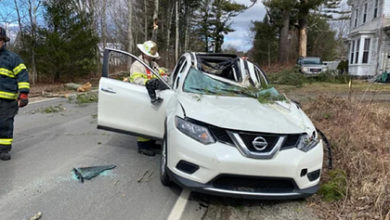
<point>106,56</point>
<point>180,73</point>
<point>177,69</point>
<point>262,75</point>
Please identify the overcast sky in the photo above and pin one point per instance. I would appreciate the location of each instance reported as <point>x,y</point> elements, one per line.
<point>241,38</point>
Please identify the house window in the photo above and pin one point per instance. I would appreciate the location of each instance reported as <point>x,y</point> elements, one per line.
<point>376,9</point>
<point>365,13</point>
<point>352,51</point>
<point>366,50</point>
<point>356,17</point>
<point>357,51</point>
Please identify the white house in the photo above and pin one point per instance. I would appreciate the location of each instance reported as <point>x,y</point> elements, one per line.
<point>369,37</point>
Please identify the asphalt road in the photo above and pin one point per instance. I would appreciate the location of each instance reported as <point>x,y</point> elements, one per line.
<point>47,146</point>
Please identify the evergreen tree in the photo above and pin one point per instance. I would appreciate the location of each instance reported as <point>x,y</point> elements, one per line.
<point>214,20</point>
<point>222,12</point>
<point>265,43</point>
<point>321,41</point>
<point>67,46</point>
<point>280,12</point>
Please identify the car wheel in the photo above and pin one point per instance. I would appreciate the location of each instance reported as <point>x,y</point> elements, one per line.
<point>163,164</point>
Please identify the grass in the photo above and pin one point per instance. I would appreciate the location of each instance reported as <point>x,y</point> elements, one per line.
<point>291,80</point>
<point>331,88</point>
<point>359,133</point>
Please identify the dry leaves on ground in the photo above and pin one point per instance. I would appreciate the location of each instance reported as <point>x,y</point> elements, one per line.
<point>360,137</point>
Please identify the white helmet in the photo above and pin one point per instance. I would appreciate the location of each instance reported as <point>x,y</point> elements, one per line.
<point>149,48</point>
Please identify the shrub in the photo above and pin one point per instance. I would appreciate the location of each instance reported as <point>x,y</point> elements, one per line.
<point>288,77</point>
<point>330,76</point>
<point>295,78</point>
<point>335,188</point>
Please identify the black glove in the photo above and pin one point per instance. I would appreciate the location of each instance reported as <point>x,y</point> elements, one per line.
<point>23,99</point>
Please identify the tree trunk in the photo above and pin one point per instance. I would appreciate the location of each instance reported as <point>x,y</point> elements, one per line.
<point>145,20</point>
<point>32,9</point>
<point>177,31</point>
<point>155,21</point>
<point>104,23</point>
<point>129,26</point>
<point>187,27</point>
<point>269,55</point>
<point>303,37</point>
<point>170,15</point>
<point>283,42</point>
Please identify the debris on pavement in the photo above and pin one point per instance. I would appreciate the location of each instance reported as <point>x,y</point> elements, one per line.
<point>85,87</point>
<point>87,173</point>
<point>83,98</point>
<point>145,177</point>
<point>36,216</point>
<point>51,94</point>
<point>72,86</point>
<point>54,109</point>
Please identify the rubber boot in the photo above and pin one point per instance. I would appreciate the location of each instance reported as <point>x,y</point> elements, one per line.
<point>5,156</point>
<point>145,148</point>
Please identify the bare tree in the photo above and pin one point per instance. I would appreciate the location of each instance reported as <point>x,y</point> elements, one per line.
<point>103,22</point>
<point>169,25</point>
<point>155,20</point>
<point>33,6</point>
<point>19,22</point>
<point>177,31</point>
<point>146,19</point>
<point>130,37</point>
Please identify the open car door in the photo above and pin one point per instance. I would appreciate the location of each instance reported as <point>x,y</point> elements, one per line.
<point>126,107</point>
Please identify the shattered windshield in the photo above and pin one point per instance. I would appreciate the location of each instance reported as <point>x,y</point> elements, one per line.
<point>199,82</point>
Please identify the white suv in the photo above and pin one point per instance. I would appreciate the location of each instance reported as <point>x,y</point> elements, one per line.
<point>224,131</point>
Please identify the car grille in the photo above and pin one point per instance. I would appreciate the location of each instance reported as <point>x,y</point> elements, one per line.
<point>249,137</point>
<point>315,70</point>
<point>254,184</point>
<point>222,136</point>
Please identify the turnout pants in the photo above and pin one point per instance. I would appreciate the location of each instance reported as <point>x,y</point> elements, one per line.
<point>8,110</point>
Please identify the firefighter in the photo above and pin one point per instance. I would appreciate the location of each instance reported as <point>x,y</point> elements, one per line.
<point>141,75</point>
<point>14,89</point>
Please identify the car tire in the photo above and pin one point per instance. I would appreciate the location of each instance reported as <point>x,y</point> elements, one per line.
<point>164,177</point>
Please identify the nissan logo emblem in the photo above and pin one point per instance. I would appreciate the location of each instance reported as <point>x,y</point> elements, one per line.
<point>259,143</point>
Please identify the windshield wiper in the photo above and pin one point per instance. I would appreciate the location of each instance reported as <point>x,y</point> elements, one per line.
<point>203,90</point>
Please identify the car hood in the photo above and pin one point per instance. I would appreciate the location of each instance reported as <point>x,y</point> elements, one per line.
<point>246,114</point>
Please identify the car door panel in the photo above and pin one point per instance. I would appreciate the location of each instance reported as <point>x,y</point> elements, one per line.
<point>126,107</point>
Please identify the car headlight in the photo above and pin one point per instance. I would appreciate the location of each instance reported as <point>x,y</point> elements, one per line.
<point>305,69</point>
<point>197,132</point>
<point>307,142</point>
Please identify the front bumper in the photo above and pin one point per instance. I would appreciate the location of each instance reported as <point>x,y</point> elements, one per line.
<point>210,189</point>
<point>219,159</point>
<point>310,72</point>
